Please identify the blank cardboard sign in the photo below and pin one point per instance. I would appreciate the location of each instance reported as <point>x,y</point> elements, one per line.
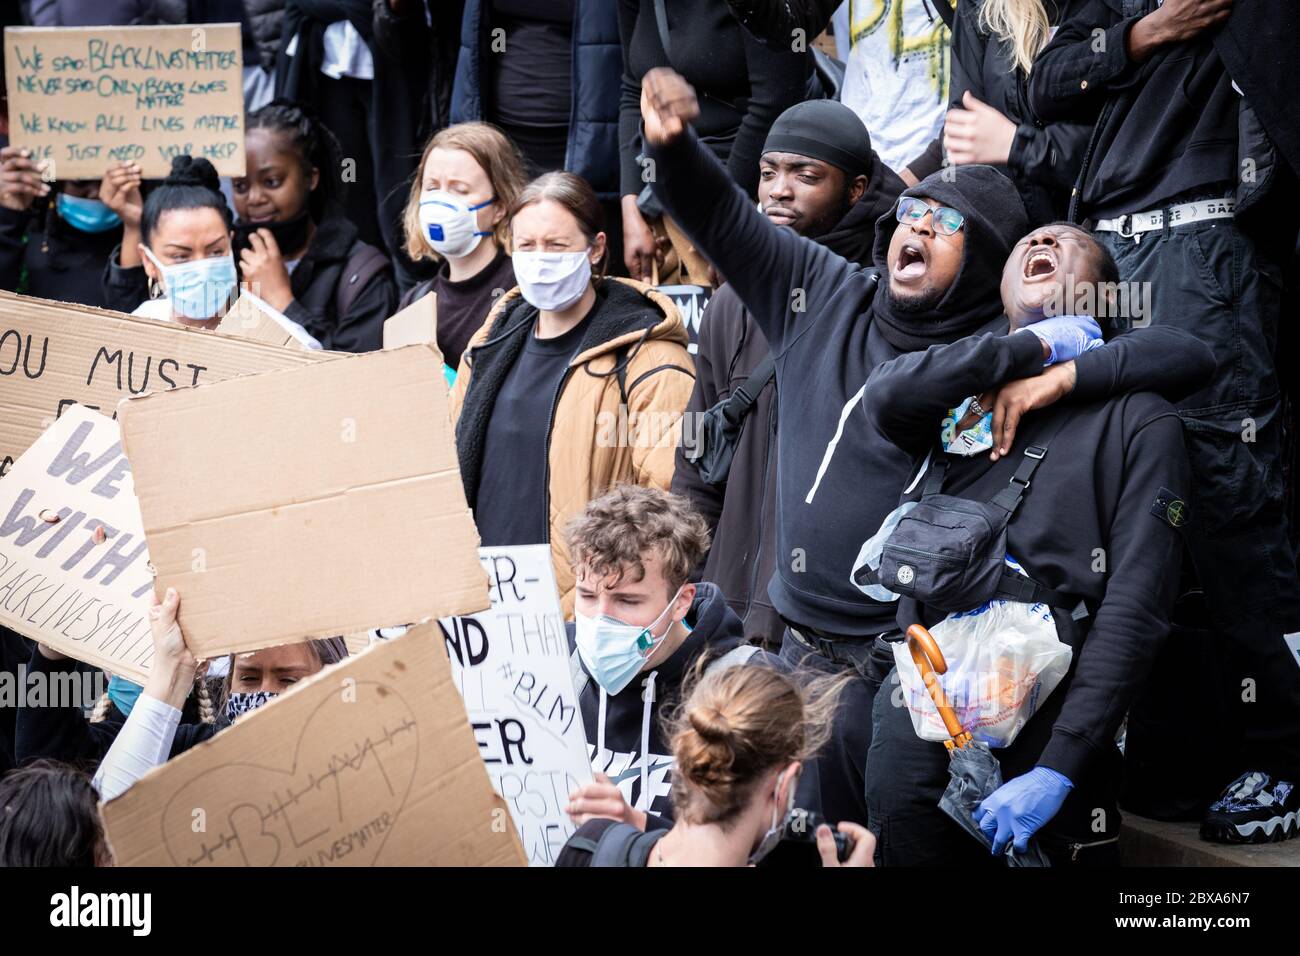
<point>53,354</point>
<point>62,582</point>
<point>306,502</point>
<point>253,318</point>
<point>369,763</point>
<point>417,324</point>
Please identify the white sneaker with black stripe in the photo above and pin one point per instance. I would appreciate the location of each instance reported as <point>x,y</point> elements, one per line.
<point>1254,809</point>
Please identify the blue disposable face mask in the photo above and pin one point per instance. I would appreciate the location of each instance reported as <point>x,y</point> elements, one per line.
<point>86,215</point>
<point>615,652</point>
<point>123,693</point>
<point>199,288</point>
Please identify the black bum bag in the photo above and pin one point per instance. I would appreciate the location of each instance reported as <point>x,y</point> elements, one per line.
<point>949,553</point>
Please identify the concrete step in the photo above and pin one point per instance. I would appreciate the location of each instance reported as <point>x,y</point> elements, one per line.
<point>1146,842</point>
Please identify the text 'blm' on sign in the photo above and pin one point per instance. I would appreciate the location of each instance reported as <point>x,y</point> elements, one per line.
<point>512,667</point>
<point>369,763</point>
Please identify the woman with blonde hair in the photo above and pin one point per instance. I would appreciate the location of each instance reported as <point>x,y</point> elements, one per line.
<point>994,43</point>
<point>740,739</point>
<point>469,177</point>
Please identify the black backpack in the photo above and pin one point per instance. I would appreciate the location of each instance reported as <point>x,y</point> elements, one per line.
<point>363,263</point>
<point>620,844</point>
<point>720,426</point>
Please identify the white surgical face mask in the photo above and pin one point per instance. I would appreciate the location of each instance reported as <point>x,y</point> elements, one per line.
<point>552,281</point>
<point>773,835</point>
<point>449,225</point>
<point>615,652</point>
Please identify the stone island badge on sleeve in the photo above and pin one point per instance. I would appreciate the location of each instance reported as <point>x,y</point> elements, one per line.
<point>1170,508</point>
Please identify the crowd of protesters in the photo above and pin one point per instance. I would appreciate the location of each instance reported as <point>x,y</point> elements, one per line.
<point>997,301</point>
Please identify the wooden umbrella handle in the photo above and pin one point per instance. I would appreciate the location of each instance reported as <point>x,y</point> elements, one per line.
<point>929,661</point>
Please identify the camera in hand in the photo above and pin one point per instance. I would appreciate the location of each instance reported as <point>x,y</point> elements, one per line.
<point>798,846</point>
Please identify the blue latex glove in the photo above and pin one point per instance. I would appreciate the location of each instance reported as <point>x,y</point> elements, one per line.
<point>1068,336</point>
<point>1015,811</point>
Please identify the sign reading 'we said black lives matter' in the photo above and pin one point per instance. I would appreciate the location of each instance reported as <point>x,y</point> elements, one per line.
<point>86,98</point>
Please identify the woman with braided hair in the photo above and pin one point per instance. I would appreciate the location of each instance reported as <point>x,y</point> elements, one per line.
<point>297,249</point>
<point>132,744</point>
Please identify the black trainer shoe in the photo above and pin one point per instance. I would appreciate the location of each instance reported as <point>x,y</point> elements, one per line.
<point>1254,809</point>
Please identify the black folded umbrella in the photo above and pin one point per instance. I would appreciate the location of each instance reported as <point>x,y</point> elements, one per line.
<point>975,772</point>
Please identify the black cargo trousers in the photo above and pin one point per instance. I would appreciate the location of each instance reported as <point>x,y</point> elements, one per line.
<point>1212,279</point>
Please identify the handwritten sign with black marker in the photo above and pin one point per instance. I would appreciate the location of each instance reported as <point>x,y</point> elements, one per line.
<point>87,98</point>
<point>74,570</point>
<point>368,763</point>
<point>511,665</point>
<point>54,355</point>
<point>691,302</point>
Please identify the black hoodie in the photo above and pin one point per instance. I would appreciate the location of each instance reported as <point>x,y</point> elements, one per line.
<point>633,724</point>
<point>742,513</point>
<point>837,478</point>
<point>994,222</point>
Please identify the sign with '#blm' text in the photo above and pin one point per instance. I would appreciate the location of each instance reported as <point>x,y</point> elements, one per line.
<point>84,99</point>
<point>368,763</point>
<point>74,569</point>
<point>511,665</point>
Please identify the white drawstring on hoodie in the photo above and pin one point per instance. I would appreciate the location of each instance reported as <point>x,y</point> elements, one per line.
<point>834,442</point>
<point>647,704</point>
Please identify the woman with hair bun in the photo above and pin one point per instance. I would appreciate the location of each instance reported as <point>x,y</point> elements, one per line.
<point>177,264</point>
<point>740,740</point>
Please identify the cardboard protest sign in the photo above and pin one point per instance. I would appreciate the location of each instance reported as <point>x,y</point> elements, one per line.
<point>253,318</point>
<point>53,354</point>
<point>511,665</point>
<point>86,98</point>
<point>691,301</point>
<point>74,571</point>
<point>417,324</point>
<point>306,502</point>
<point>369,763</point>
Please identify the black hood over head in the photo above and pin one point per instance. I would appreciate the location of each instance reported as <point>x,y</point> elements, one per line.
<point>995,220</point>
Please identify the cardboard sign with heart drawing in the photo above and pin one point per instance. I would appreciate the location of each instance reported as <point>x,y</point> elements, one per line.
<point>369,763</point>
